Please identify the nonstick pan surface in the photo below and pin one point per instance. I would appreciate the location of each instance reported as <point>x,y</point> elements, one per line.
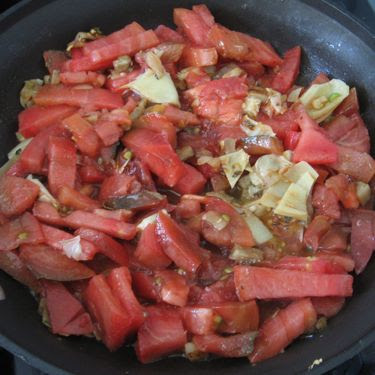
<point>332,42</point>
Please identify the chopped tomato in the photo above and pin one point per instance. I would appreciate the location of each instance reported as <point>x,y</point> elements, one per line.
<point>145,286</point>
<point>48,214</point>
<point>344,189</point>
<point>117,84</point>
<point>48,263</point>
<point>252,68</point>
<point>115,228</point>
<point>259,282</point>
<point>113,323</point>
<point>235,346</point>
<point>358,165</point>
<point>199,320</point>
<point>161,333</point>
<point>260,51</point>
<point>280,124</point>
<point>157,153</point>
<point>235,232</point>
<point>188,208</point>
<point>64,309</point>
<point>119,280</point>
<point>339,127</point>
<point>205,14</point>
<point>77,78</point>
<point>118,185</point>
<point>334,240</point>
<point>325,202</point>
<point>173,287</point>
<point>109,132</point>
<point>291,139</point>
<point>229,44</point>
<point>328,306</point>
<point>166,34</point>
<point>319,79</point>
<point>22,230</point>
<point>176,245</point>
<point>91,173</point>
<point>192,182</point>
<point>120,214</point>
<point>62,158</point>
<point>323,174</point>
<point>105,245</point>
<point>54,60</point>
<point>196,77</point>
<point>289,70</point>
<point>74,199</point>
<point>344,260</point>
<point>54,236</point>
<point>281,329</point>
<point>34,119</point>
<point>12,264</point>
<point>192,25</point>
<point>194,56</point>
<point>350,105</point>
<point>149,251</point>
<point>318,227</point>
<point>16,195</point>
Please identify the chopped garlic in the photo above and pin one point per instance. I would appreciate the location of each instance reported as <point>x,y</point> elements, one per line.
<point>273,194</point>
<point>275,104</point>
<point>146,221</point>
<point>213,162</point>
<point>363,192</point>
<point>268,167</point>
<point>320,100</point>
<point>185,152</point>
<point>254,128</point>
<point>154,89</point>
<point>251,105</point>
<point>260,232</point>
<point>28,92</point>
<point>233,165</point>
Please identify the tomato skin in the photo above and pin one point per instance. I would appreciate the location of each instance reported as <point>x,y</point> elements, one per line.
<point>112,321</point>
<point>24,229</point>
<point>62,158</point>
<point>16,195</point>
<point>325,202</point>
<point>192,182</point>
<point>166,34</point>
<point>193,56</point>
<point>281,329</point>
<point>229,44</point>
<point>32,120</point>
<point>53,236</point>
<point>235,346</point>
<point>73,198</point>
<point>162,333</point>
<point>173,287</point>
<point>176,245</point>
<point>289,70</point>
<point>119,280</point>
<point>48,263</point>
<point>112,227</point>
<point>328,306</point>
<point>149,251</point>
<point>317,228</point>
<point>11,263</point>
<point>199,320</point>
<point>299,284</point>
<point>156,152</point>
<point>106,245</point>
<point>63,309</point>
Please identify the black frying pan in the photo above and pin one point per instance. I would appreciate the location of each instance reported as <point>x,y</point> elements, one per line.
<point>332,42</point>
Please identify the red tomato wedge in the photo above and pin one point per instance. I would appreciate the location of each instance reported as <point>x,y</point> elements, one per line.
<point>350,105</point>
<point>166,34</point>
<point>281,329</point>
<point>156,152</point>
<point>103,57</point>
<point>48,263</point>
<point>289,70</point>
<point>325,202</point>
<point>317,228</point>
<point>118,185</point>
<point>74,199</point>
<point>161,333</point>
<point>77,78</point>
<point>54,236</point>
<point>34,119</point>
<point>199,320</point>
<point>328,306</point>
<point>362,238</point>
<point>133,28</point>
<point>176,245</point>
<point>192,25</point>
<point>83,134</point>
<point>339,127</point>
<point>229,44</point>
<point>192,182</point>
<point>204,13</point>
<point>180,118</point>
<point>344,189</point>
<point>62,158</point>
<point>48,214</point>
<point>149,251</point>
<point>194,56</point>
<point>235,346</point>
<point>63,309</point>
<point>54,60</point>
<point>105,245</point>
<point>119,280</point>
<point>258,282</point>
<point>96,98</point>
<point>115,228</point>
<point>16,195</point>
<point>22,230</point>
<point>12,264</point>
<point>112,321</point>
<point>108,132</point>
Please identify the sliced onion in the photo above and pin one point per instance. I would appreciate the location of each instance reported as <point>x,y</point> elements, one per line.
<point>246,255</point>
<point>2,294</point>
<point>72,247</point>
<point>216,219</point>
<point>44,194</point>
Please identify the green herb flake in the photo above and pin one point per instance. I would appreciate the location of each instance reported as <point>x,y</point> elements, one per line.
<point>333,96</point>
